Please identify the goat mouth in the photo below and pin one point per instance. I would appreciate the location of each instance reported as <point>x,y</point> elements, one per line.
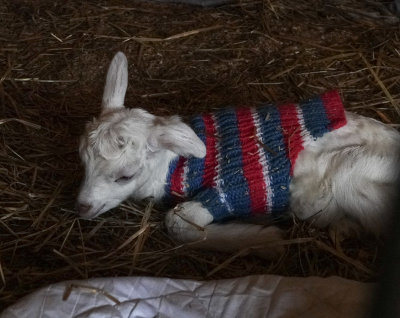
<point>89,216</point>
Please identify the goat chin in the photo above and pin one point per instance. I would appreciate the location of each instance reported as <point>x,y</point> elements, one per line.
<point>347,179</point>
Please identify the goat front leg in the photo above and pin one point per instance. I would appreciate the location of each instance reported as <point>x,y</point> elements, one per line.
<point>190,222</point>
<point>187,221</point>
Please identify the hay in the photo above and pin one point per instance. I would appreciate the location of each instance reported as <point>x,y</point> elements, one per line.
<point>183,59</point>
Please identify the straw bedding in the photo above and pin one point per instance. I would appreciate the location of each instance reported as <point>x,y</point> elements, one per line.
<point>183,59</point>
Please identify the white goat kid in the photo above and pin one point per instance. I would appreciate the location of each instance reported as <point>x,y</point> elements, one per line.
<point>347,176</point>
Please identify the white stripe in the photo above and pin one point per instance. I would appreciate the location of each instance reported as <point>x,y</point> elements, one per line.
<point>185,184</point>
<point>305,133</point>
<point>219,182</point>
<point>263,161</point>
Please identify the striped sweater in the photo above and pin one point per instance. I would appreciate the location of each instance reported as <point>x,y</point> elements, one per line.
<point>251,153</point>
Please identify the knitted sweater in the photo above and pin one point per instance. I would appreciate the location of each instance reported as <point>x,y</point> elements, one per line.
<point>251,153</point>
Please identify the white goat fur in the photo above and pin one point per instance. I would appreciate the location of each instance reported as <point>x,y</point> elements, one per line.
<point>349,176</point>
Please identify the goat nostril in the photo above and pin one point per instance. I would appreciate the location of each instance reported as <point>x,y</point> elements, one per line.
<point>83,208</point>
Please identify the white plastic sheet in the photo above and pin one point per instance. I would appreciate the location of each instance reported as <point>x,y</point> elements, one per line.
<point>252,296</point>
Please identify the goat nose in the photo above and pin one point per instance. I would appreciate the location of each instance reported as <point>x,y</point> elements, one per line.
<point>83,208</point>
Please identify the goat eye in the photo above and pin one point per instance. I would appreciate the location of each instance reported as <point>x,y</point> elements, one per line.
<point>124,179</point>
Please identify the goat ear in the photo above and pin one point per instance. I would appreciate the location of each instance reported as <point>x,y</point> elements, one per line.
<point>172,134</point>
<point>116,83</point>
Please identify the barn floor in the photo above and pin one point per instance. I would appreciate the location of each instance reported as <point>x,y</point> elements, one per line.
<point>183,59</point>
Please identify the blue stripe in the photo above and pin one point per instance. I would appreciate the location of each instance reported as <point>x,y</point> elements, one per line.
<point>315,118</point>
<point>233,183</point>
<point>275,154</point>
<point>195,174</point>
<point>171,169</point>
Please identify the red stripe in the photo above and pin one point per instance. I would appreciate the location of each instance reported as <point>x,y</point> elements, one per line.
<point>177,178</point>
<point>252,167</point>
<point>210,161</point>
<point>291,130</point>
<point>334,109</point>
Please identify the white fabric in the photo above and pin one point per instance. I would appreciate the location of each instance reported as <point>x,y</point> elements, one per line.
<point>252,296</point>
